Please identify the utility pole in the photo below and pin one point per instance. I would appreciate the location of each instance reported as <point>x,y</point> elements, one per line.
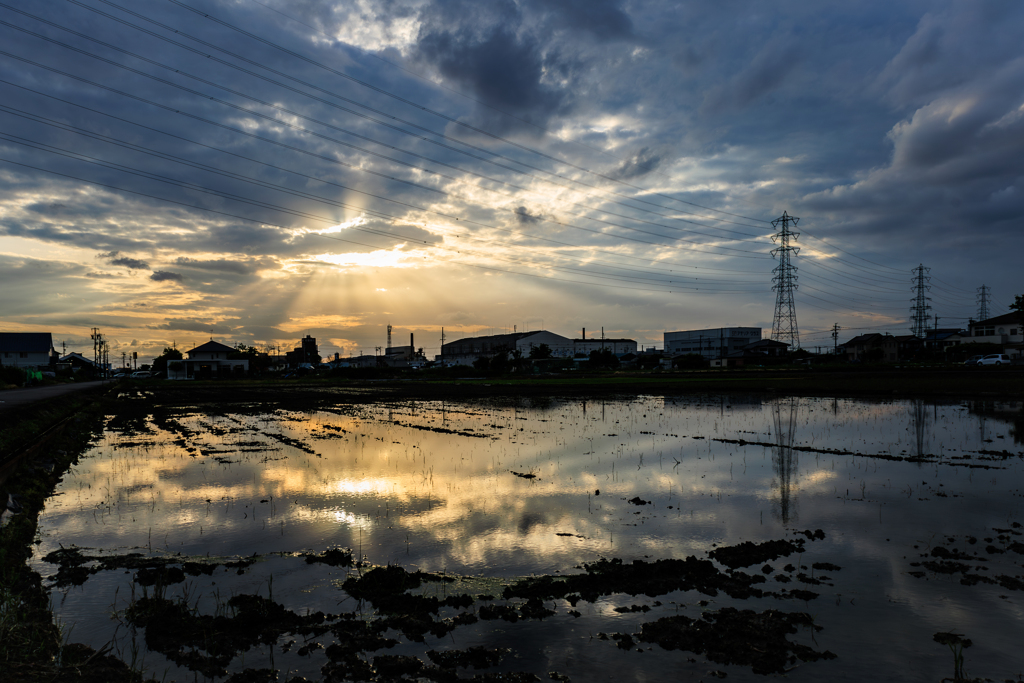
<point>920,306</point>
<point>984,296</point>
<point>835,339</point>
<point>442,347</point>
<point>784,326</point>
<point>97,339</point>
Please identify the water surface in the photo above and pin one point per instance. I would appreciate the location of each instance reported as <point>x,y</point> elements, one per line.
<point>494,490</point>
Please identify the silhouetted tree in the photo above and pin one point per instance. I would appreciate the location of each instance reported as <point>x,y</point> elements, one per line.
<point>160,362</point>
<point>604,358</point>
<point>539,352</point>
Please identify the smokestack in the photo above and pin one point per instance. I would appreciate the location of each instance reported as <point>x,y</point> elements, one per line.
<point>412,345</point>
<point>584,333</point>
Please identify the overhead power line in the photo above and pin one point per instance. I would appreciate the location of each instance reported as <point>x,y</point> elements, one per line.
<point>329,220</point>
<point>567,181</point>
<point>346,164</point>
<point>450,119</point>
<point>345,144</point>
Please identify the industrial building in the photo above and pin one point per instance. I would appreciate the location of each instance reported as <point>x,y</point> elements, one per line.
<point>710,344</point>
<point>465,351</point>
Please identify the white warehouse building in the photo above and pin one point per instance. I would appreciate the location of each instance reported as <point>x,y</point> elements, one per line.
<point>713,343</point>
<point>465,351</point>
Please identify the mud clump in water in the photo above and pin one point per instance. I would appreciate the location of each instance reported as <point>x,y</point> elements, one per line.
<point>748,553</point>
<point>334,557</point>
<point>652,579</point>
<point>477,657</point>
<point>207,644</point>
<point>731,636</point>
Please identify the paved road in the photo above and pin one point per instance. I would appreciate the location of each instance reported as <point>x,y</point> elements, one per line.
<point>11,398</point>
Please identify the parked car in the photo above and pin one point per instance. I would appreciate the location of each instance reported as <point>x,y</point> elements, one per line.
<point>995,359</point>
<point>141,374</point>
<point>973,360</point>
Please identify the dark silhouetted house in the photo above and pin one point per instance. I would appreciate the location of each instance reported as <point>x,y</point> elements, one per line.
<point>29,350</point>
<point>208,361</point>
<point>756,353</point>
<point>873,347</point>
<point>76,361</point>
<point>941,339</point>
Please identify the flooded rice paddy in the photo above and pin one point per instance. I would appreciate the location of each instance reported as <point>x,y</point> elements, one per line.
<point>641,539</point>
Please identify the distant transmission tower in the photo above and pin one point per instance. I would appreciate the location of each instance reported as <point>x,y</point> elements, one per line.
<point>784,327</point>
<point>984,295</point>
<point>920,306</point>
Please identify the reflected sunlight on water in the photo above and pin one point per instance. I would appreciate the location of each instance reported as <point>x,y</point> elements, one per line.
<point>507,489</point>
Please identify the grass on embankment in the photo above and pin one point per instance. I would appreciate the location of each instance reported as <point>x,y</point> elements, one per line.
<point>46,438</point>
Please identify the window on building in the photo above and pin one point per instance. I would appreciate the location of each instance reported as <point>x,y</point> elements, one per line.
<point>23,354</point>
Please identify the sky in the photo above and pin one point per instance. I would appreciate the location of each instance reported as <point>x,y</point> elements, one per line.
<point>254,171</point>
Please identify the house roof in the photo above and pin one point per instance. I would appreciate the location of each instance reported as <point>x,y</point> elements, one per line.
<point>1006,319</point>
<point>25,342</point>
<point>766,343</point>
<point>869,338</point>
<point>211,347</point>
<point>939,334</point>
<point>76,356</point>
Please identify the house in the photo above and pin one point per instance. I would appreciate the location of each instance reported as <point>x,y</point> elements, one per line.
<point>1006,330</point>
<point>29,350</point>
<point>76,361</point>
<point>755,353</point>
<point>767,348</point>
<point>938,340</point>
<point>871,347</point>
<point>208,361</point>
<point>908,346</point>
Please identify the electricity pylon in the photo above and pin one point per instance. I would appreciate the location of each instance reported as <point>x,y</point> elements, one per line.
<point>920,306</point>
<point>784,327</point>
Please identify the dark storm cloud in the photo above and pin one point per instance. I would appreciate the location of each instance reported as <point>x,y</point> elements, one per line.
<point>165,276</point>
<point>604,19</point>
<point>194,325</point>
<point>893,127</point>
<point>764,74</point>
<point>130,263</point>
<point>88,239</point>
<point>503,69</point>
<point>220,265</point>
<point>640,164</point>
<point>524,217</point>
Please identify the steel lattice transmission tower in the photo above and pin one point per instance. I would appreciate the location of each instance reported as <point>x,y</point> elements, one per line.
<point>984,295</point>
<point>919,304</point>
<point>784,327</point>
